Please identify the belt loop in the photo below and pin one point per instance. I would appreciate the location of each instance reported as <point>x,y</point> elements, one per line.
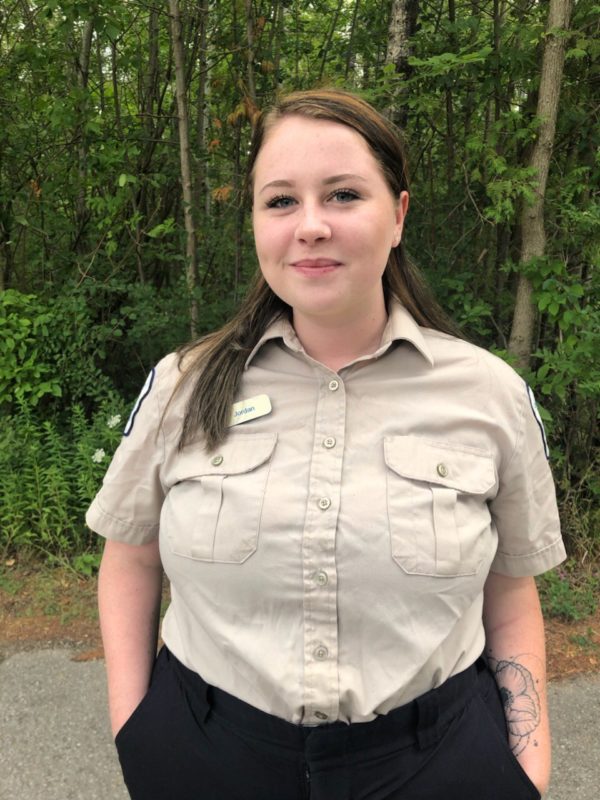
<point>202,698</point>
<point>428,712</point>
<point>195,689</point>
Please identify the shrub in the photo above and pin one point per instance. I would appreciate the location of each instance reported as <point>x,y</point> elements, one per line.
<point>49,474</point>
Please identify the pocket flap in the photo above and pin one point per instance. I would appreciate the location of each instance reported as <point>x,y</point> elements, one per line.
<point>464,468</point>
<point>234,456</point>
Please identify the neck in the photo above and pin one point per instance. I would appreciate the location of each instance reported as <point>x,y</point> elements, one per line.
<point>335,343</point>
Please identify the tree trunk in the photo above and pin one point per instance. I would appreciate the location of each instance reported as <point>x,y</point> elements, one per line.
<point>398,44</point>
<point>151,78</point>
<point>329,38</point>
<point>202,189</point>
<point>251,83</point>
<point>350,55</point>
<point>100,67</point>
<point>185,161</point>
<point>277,34</point>
<point>450,149</point>
<point>533,235</point>
<point>239,216</point>
<point>403,23</point>
<point>115,87</point>
<point>83,69</point>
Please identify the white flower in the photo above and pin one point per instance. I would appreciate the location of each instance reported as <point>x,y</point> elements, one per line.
<point>98,456</point>
<point>114,421</point>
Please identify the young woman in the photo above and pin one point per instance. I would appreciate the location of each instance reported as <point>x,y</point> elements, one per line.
<point>349,502</point>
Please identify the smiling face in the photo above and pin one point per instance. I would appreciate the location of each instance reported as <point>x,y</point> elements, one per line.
<point>324,220</point>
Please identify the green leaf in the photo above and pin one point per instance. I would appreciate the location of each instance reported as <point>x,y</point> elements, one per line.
<point>124,179</point>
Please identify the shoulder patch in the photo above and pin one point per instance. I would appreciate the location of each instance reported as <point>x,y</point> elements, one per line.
<point>138,403</point>
<point>538,419</point>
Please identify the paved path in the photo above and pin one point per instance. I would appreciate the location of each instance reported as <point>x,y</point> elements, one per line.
<point>55,742</point>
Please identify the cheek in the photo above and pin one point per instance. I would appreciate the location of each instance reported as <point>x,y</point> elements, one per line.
<point>260,242</point>
<point>270,243</point>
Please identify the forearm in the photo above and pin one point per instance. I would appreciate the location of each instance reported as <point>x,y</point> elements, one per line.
<point>129,592</point>
<point>516,653</point>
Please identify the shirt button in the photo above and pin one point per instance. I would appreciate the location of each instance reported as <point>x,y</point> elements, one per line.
<point>321,652</point>
<point>442,470</point>
<point>216,461</point>
<point>334,386</point>
<point>329,442</point>
<point>324,503</point>
<point>320,578</point>
<point>321,715</point>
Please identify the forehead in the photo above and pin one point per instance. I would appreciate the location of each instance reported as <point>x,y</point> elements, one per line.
<point>296,139</point>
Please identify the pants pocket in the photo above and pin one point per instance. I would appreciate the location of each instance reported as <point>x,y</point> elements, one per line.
<point>472,761</point>
<point>491,706</point>
<point>139,711</point>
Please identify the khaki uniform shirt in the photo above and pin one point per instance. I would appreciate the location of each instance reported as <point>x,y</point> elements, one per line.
<point>327,561</point>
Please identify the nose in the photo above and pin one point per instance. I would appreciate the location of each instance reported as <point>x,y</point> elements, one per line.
<point>312,226</point>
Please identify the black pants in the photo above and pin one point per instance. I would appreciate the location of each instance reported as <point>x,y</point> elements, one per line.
<point>189,741</point>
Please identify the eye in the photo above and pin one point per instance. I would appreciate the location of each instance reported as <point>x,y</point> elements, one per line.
<point>344,195</point>
<point>280,201</point>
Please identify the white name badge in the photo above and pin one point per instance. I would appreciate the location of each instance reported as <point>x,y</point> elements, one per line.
<point>249,409</point>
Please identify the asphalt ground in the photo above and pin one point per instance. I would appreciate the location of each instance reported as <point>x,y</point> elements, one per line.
<point>55,741</point>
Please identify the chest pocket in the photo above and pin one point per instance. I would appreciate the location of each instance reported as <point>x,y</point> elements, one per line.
<point>213,511</point>
<point>437,505</point>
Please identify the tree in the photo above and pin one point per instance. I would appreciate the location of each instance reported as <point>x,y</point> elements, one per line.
<point>533,235</point>
<point>403,21</point>
<point>185,161</point>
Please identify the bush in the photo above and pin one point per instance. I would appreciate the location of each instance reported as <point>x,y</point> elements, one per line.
<point>49,474</point>
<point>51,349</point>
<point>569,593</point>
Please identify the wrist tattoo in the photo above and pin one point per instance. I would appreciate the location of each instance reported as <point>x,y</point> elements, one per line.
<point>520,699</point>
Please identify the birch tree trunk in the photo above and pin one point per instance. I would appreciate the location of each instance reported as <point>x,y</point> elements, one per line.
<point>403,20</point>
<point>350,55</point>
<point>185,161</point>
<point>533,234</point>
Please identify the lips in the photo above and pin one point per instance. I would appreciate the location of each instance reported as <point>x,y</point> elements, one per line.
<point>315,266</point>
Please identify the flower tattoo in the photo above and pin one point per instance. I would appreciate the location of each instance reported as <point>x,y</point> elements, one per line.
<point>521,702</point>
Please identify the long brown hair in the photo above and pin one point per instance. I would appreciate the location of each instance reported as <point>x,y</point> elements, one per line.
<point>216,362</point>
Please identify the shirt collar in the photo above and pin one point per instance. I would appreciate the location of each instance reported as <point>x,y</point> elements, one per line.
<point>400,326</point>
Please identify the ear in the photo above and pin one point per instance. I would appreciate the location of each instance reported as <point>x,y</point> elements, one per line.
<point>401,211</point>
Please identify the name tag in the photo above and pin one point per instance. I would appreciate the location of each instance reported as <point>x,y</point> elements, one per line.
<point>252,408</point>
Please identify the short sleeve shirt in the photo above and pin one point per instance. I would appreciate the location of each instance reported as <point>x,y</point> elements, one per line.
<point>327,561</point>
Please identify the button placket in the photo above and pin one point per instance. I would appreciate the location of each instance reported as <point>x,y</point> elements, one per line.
<point>318,551</point>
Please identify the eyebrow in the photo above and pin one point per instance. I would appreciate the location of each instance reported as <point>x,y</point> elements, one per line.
<point>345,176</point>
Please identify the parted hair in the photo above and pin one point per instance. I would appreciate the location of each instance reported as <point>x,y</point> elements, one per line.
<point>215,363</point>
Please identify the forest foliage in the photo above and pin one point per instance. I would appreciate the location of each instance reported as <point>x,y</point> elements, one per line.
<point>106,263</point>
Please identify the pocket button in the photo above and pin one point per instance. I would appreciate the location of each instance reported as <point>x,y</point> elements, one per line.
<point>442,470</point>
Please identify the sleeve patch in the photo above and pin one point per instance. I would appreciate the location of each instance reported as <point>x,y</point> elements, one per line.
<point>138,403</point>
<point>538,419</point>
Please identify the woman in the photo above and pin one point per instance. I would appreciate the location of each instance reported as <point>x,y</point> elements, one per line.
<point>349,502</point>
